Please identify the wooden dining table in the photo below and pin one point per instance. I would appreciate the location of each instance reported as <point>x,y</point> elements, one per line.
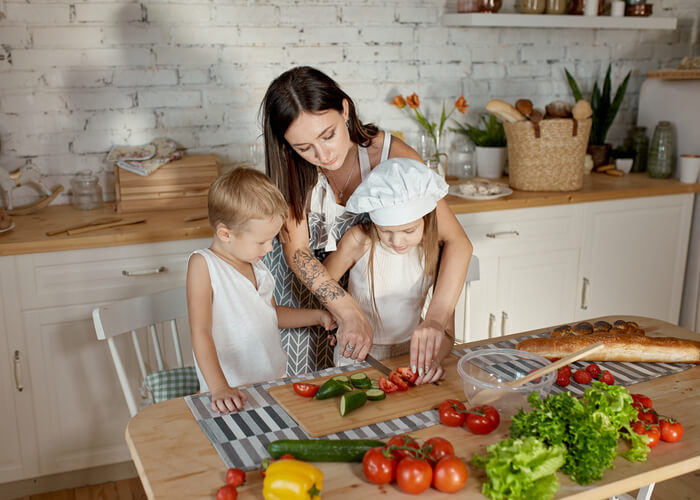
<point>175,459</point>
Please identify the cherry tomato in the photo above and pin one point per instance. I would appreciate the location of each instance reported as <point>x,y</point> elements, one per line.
<point>643,400</point>
<point>235,477</point>
<point>565,369</point>
<point>451,414</point>
<point>227,492</point>
<point>414,475</point>
<point>306,390</point>
<point>398,381</point>
<point>652,431</point>
<point>387,386</point>
<point>407,374</point>
<point>648,416</point>
<point>582,377</point>
<point>440,447</point>
<point>450,474</point>
<point>538,379</point>
<point>594,370</point>
<point>402,440</point>
<point>378,467</point>
<point>607,378</point>
<point>671,431</point>
<point>563,378</point>
<point>482,419</point>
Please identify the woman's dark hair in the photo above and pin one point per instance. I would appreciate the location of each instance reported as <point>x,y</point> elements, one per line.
<point>301,89</point>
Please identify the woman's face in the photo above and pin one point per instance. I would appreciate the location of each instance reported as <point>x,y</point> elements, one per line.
<point>321,138</point>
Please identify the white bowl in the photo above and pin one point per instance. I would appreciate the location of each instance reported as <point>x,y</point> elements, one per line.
<point>624,164</point>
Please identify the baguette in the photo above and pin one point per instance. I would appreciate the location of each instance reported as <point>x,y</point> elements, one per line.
<point>504,111</point>
<point>618,347</point>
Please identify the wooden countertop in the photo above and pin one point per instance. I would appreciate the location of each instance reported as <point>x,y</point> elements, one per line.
<point>29,234</point>
<point>189,467</point>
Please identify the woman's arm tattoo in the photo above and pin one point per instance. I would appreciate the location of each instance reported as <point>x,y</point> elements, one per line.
<point>312,273</point>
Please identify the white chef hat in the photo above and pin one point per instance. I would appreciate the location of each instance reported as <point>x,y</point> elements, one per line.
<point>398,191</point>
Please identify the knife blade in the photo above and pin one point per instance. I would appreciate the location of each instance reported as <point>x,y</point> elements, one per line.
<point>375,363</point>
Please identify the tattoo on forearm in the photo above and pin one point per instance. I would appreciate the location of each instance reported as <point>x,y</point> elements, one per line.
<point>311,271</point>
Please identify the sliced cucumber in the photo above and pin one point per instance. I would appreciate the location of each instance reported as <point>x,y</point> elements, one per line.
<point>375,383</point>
<point>330,389</point>
<point>375,394</point>
<point>323,450</point>
<point>342,378</point>
<point>360,380</point>
<point>351,401</point>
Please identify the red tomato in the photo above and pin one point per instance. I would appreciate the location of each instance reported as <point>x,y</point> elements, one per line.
<point>227,492</point>
<point>235,477</point>
<point>642,400</point>
<point>402,440</point>
<point>538,379</point>
<point>414,475</point>
<point>582,377</point>
<point>563,378</point>
<point>482,419</point>
<point>378,467</point>
<point>306,390</point>
<point>607,378</point>
<point>407,374</point>
<point>652,431</point>
<point>387,386</point>
<point>671,431</point>
<point>565,369</point>
<point>398,381</point>
<point>594,370</point>
<point>648,416</point>
<point>450,474</point>
<point>439,447</point>
<point>452,413</point>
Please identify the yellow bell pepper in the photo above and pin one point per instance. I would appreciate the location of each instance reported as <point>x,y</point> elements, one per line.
<point>292,480</point>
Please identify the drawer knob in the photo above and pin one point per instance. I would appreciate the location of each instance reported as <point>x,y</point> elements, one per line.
<point>145,272</point>
<point>18,372</point>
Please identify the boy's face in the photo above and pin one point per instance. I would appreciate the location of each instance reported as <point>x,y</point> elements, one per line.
<point>251,242</point>
<point>401,239</point>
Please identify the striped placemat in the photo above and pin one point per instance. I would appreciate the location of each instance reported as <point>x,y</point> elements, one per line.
<point>241,438</point>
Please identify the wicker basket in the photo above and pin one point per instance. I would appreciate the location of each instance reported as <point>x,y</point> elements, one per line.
<point>551,162</point>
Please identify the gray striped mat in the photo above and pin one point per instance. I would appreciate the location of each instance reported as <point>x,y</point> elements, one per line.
<point>241,438</point>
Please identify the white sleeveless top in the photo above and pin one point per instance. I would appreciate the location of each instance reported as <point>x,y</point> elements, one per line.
<point>398,290</point>
<point>244,324</point>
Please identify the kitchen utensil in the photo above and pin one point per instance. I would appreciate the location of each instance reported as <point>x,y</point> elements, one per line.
<point>125,222</point>
<point>378,364</point>
<point>94,222</point>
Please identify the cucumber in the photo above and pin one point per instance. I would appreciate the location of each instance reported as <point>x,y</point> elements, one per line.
<point>330,389</point>
<point>360,380</point>
<point>375,394</point>
<point>351,401</point>
<point>342,378</point>
<point>375,383</point>
<point>323,450</point>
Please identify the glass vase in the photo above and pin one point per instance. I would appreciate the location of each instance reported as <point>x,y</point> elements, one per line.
<point>662,151</point>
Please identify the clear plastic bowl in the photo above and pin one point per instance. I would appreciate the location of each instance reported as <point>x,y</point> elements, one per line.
<point>485,372</point>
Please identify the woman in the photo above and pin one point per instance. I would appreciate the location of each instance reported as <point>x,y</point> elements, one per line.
<point>317,152</point>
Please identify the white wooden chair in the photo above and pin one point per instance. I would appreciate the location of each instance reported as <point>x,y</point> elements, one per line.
<point>130,315</point>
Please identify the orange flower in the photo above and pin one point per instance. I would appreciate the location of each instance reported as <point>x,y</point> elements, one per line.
<point>399,101</point>
<point>461,104</point>
<point>413,101</point>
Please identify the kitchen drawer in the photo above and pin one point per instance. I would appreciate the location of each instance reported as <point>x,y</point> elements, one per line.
<point>103,274</point>
<point>517,230</point>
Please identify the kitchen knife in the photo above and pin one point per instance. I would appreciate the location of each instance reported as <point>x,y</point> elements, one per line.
<point>378,364</point>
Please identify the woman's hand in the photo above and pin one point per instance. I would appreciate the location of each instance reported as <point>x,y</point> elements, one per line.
<point>227,399</point>
<point>425,345</point>
<point>354,334</point>
<point>435,373</point>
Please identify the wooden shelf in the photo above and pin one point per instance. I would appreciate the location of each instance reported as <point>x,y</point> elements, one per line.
<point>551,21</point>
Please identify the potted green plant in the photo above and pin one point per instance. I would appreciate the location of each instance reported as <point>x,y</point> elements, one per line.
<point>489,139</point>
<point>605,107</point>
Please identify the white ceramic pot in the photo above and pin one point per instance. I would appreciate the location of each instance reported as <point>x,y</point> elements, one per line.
<point>490,162</point>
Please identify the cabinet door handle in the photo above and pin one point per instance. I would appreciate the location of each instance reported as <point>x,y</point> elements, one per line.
<point>18,372</point>
<point>584,290</point>
<point>492,320</point>
<point>146,272</point>
<point>504,317</point>
<point>503,234</point>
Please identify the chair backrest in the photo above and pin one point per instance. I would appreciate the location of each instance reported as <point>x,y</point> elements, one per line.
<point>130,315</point>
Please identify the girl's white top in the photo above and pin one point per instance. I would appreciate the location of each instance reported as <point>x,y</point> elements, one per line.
<point>244,324</point>
<point>399,292</point>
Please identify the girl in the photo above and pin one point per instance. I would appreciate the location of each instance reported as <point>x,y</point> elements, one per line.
<point>393,259</point>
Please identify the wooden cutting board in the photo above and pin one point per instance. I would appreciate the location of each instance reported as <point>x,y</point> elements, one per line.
<point>319,418</point>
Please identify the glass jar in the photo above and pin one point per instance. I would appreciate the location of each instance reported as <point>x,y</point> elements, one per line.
<point>662,151</point>
<point>491,6</point>
<point>462,163</point>
<point>468,5</point>
<point>532,6</point>
<point>87,193</point>
<point>639,143</point>
<point>557,7</point>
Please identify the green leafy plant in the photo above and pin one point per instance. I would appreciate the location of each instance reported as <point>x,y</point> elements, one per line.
<point>605,107</point>
<point>491,135</point>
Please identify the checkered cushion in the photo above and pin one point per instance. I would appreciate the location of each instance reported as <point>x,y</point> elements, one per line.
<point>175,383</point>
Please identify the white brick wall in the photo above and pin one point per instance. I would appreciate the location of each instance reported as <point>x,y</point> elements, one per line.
<point>83,76</point>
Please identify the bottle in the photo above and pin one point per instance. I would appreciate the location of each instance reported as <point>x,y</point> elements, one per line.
<point>639,143</point>
<point>87,193</point>
<point>662,151</point>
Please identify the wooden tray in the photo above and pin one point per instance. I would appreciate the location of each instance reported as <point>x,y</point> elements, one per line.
<point>320,418</point>
<point>179,184</point>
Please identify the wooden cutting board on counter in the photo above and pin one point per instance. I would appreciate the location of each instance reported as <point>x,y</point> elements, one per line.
<point>319,418</point>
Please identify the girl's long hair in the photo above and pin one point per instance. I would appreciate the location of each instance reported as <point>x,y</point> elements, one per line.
<point>429,251</point>
<point>301,89</point>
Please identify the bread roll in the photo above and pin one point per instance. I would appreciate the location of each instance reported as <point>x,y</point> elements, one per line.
<point>504,111</point>
<point>582,110</point>
<point>524,106</point>
<point>559,109</point>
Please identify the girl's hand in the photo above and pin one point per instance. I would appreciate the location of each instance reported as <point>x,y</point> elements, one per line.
<point>326,320</point>
<point>435,373</point>
<point>227,399</point>
<point>425,345</point>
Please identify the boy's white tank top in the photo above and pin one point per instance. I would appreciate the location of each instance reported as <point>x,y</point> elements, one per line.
<point>398,289</point>
<point>244,324</point>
